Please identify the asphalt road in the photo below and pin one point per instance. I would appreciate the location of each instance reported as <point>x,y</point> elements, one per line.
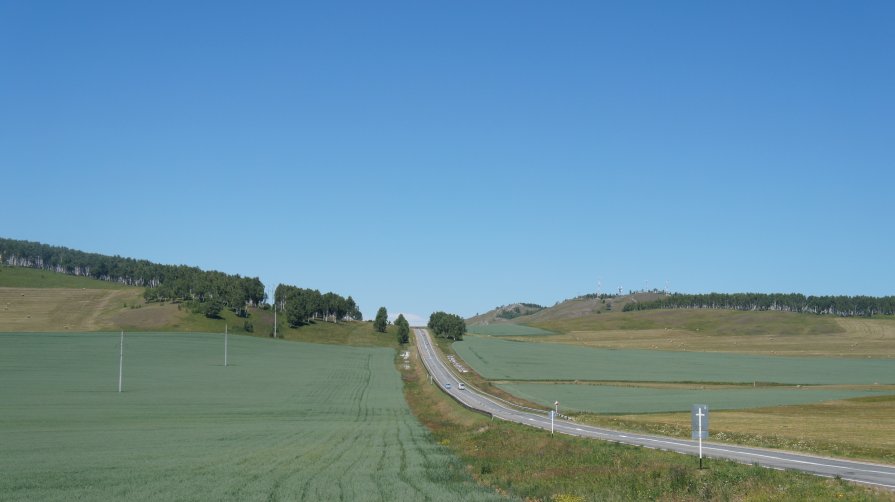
<point>860,472</point>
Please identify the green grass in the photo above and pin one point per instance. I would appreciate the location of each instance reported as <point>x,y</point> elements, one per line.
<point>534,465</point>
<point>18,277</point>
<point>286,421</point>
<point>625,399</point>
<point>506,330</point>
<point>356,333</point>
<point>497,359</point>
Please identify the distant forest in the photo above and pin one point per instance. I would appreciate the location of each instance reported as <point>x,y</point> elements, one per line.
<point>206,291</point>
<point>845,306</point>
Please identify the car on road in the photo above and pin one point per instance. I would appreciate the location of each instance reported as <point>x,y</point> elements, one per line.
<point>447,385</point>
<point>461,386</point>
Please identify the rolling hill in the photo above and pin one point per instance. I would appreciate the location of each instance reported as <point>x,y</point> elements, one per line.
<point>40,301</point>
<point>527,313</point>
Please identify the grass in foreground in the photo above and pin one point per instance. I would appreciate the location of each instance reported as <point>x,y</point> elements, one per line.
<point>285,421</point>
<point>531,464</point>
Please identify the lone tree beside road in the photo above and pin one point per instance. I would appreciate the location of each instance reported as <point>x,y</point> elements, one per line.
<point>403,329</point>
<point>381,320</point>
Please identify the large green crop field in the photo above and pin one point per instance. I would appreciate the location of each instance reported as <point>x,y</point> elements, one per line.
<point>498,359</point>
<point>625,399</point>
<point>285,421</point>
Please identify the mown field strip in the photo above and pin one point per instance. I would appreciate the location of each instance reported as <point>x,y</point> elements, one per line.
<point>285,421</point>
<point>498,359</point>
<point>507,330</point>
<point>623,399</point>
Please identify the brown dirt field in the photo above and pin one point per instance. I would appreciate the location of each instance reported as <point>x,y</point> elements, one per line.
<point>148,317</point>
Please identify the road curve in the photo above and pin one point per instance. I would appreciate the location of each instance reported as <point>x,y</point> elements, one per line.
<point>871,474</point>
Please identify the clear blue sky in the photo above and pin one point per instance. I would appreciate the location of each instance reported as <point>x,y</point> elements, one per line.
<point>460,155</point>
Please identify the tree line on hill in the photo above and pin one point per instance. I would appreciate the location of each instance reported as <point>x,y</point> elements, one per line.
<point>447,325</point>
<point>302,305</point>
<point>845,306</point>
<point>207,292</point>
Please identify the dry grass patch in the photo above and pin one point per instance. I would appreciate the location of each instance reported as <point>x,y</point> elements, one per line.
<point>861,428</point>
<point>61,309</point>
<point>868,339</point>
<point>148,317</point>
<point>762,333</point>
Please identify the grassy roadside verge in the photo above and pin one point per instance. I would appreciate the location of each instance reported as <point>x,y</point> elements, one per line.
<point>530,464</point>
<point>859,428</point>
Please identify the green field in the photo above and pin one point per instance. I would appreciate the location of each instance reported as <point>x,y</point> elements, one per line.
<point>624,399</point>
<point>20,277</point>
<point>285,421</point>
<point>538,466</point>
<point>498,359</point>
<point>506,330</point>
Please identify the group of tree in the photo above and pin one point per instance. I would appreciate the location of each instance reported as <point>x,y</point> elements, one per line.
<point>301,305</point>
<point>208,291</point>
<point>792,302</point>
<point>380,323</point>
<point>447,325</point>
<point>403,329</point>
<point>518,310</point>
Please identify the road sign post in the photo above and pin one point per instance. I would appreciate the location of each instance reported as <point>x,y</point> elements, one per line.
<point>699,420</point>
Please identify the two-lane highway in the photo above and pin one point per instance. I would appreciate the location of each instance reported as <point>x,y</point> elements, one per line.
<point>871,474</point>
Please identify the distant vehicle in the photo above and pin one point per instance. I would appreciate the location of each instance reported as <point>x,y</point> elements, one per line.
<point>461,386</point>
<point>447,385</point>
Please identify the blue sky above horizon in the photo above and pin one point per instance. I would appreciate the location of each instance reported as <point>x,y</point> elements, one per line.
<point>460,156</point>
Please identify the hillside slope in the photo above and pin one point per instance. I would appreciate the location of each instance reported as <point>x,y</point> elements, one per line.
<point>38,301</point>
<point>567,309</point>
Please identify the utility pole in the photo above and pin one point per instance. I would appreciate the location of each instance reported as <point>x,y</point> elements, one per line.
<point>121,363</point>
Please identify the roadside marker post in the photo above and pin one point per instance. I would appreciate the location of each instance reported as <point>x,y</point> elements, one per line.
<point>699,420</point>
<point>552,413</point>
<point>225,345</point>
<point>121,362</point>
